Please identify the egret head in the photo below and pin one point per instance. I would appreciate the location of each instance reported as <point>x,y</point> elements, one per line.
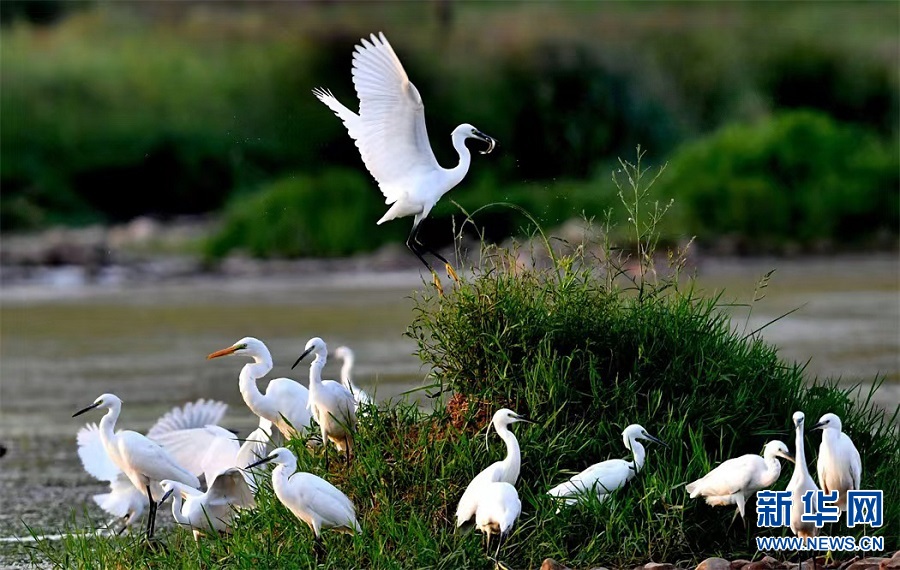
<point>828,421</point>
<point>169,487</point>
<point>279,455</point>
<point>247,346</point>
<point>343,353</point>
<point>108,401</point>
<point>635,432</point>
<point>502,418</point>
<point>798,419</point>
<point>776,448</point>
<point>317,347</point>
<point>467,131</point>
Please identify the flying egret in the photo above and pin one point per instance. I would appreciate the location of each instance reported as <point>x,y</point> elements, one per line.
<point>345,355</point>
<point>800,483</point>
<point>312,499</point>
<point>124,500</point>
<point>333,404</point>
<point>839,466</point>
<point>213,510</point>
<point>285,403</point>
<point>211,450</point>
<point>142,460</point>
<point>498,508</point>
<point>393,142</point>
<point>607,476</point>
<point>506,471</point>
<point>738,479</point>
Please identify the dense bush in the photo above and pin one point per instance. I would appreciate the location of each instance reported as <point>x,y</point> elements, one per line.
<point>799,176</point>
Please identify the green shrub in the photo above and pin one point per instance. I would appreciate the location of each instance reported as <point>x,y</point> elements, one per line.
<point>330,214</point>
<point>798,176</point>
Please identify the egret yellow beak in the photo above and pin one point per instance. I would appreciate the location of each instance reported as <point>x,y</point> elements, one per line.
<point>223,352</point>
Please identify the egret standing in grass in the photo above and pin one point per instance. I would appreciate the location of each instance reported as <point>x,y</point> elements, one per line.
<point>124,500</point>
<point>213,510</point>
<point>346,356</point>
<point>839,466</point>
<point>607,476</point>
<point>286,401</point>
<point>498,508</point>
<point>506,471</point>
<point>391,136</point>
<point>800,483</point>
<point>738,479</point>
<point>312,499</point>
<point>143,461</point>
<point>332,403</point>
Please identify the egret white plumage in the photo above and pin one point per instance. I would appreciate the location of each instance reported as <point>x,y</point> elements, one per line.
<point>498,508</point>
<point>738,479</point>
<point>800,483</point>
<point>607,476</point>
<point>286,401</point>
<point>124,500</point>
<point>142,460</point>
<point>348,359</point>
<point>312,499</point>
<point>213,510</point>
<point>839,466</point>
<point>211,450</point>
<point>332,403</point>
<point>506,470</point>
<point>393,141</point>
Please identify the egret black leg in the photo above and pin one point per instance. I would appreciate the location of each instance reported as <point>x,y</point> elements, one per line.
<point>318,547</point>
<point>415,246</point>
<point>451,273</point>
<point>499,542</point>
<point>151,520</point>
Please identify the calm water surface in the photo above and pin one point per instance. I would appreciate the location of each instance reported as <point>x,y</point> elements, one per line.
<point>62,347</point>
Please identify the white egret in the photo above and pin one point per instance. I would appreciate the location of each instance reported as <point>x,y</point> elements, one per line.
<point>800,483</point>
<point>348,359</point>
<point>124,500</point>
<point>738,479</point>
<point>839,466</point>
<point>213,510</point>
<point>312,499</point>
<point>607,476</point>
<point>142,460</point>
<point>498,508</point>
<point>506,471</point>
<point>211,450</point>
<point>393,142</point>
<point>286,401</point>
<point>332,404</point>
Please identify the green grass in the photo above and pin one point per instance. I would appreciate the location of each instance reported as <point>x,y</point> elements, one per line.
<point>583,348</point>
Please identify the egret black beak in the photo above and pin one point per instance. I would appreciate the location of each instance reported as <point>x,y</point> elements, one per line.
<point>260,462</point>
<point>492,142</point>
<point>521,419</point>
<point>166,496</point>
<point>649,437</point>
<point>820,425</point>
<point>299,358</point>
<point>87,409</point>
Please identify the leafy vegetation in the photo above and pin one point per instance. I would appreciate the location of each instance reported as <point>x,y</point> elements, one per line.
<point>583,346</point>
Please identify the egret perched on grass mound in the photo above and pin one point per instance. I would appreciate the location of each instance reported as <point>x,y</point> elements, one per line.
<point>498,508</point>
<point>607,476</point>
<point>839,466</point>
<point>391,136</point>
<point>312,499</point>
<point>213,510</point>
<point>142,460</point>
<point>738,479</point>
<point>800,483</point>
<point>346,356</point>
<point>124,500</point>
<point>506,471</point>
<point>332,403</point>
<point>286,401</point>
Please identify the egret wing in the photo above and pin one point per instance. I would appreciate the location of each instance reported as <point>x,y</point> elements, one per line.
<point>728,478</point>
<point>327,501</point>
<point>93,455</point>
<point>468,503</point>
<point>390,131</point>
<point>191,415</point>
<point>293,400</point>
<point>201,450</point>
<point>230,488</point>
<point>603,478</point>
<point>151,460</point>
<point>123,498</point>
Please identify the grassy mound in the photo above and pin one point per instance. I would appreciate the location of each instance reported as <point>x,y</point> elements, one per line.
<point>583,348</point>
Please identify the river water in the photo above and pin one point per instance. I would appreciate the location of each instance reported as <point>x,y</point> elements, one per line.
<point>61,346</point>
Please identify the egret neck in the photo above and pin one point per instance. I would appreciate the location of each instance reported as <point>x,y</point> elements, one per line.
<point>256,400</point>
<point>457,173</point>
<point>513,460</point>
<point>637,448</point>
<point>108,430</point>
